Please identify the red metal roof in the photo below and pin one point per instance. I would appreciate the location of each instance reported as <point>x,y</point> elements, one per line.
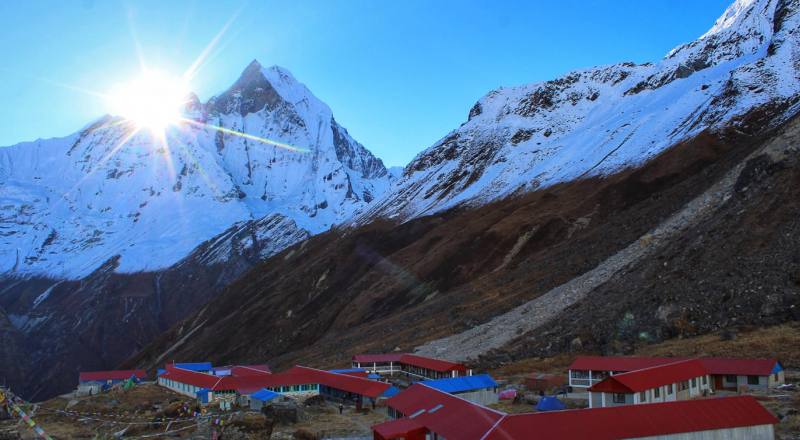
<point>378,358</point>
<point>743,367</point>
<point>411,359</point>
<point>449,416</point>
<point>397,428</point>
<point>200,380</point>
<point>619,363</point>
<point>351,384</point>
<point>355,373</point>
<point>102,376</point>
<point>242,379</point>
<point>635,421</point>
<point>249,370</point>
<point>740,367</point>
<point>647,378</point>
<point>248,381</point>
<point>431,364</point>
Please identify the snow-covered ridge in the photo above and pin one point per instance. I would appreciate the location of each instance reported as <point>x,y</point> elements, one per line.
<point>69,204</point>
<point>597,121</point>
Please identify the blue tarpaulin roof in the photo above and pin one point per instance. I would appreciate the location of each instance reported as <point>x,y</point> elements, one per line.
<point>264,395</point>
<point>550,403</point>
<point>461,384</point>
<point>391,392</point>
<point>373,376</point>
<point>194,366</point>
<point>348,370</point>
<point>161,371</point>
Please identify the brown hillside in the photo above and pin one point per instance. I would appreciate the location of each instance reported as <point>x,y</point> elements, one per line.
<point>386,286</point>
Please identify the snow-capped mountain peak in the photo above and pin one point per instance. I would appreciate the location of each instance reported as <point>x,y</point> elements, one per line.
<point>266,146</point>
<point>597,121</point>
<point>737,14</point>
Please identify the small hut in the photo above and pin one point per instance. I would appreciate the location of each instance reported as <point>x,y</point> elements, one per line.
<point>544,382</point>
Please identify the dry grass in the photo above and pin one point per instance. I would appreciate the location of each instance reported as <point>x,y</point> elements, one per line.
<point>781,342</point>
<point>117,405</point>
<point>787,408</point>
<point>325,421</point>
<point>508,406</point>
<point>555,364</point>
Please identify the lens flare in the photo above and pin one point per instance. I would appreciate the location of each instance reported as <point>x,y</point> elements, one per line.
<point>153,101</point>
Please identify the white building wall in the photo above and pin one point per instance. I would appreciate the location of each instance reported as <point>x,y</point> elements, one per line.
<point>607,399</point>
<point>763,382</point>
<point>591,377</point>
<point>777,379</point>
<point>389,368</point>
<point>486,396</point>
<point>761,432</point>
<point>179,387</point>
<point>90,388</point>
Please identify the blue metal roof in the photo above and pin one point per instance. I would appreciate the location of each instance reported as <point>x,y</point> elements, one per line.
<point>161,371</point>
<point>348,370</point>
<point>373,376</point>
<point>391,392</point>
<point>194,366</point>
<point>461,384</point>
<point>264,395</point>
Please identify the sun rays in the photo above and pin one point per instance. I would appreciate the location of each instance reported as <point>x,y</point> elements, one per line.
<point>251,137</point>
<point>154,104</point>
<point>153,101</point>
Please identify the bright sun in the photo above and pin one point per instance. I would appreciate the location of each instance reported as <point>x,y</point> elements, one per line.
<point>153,101</point>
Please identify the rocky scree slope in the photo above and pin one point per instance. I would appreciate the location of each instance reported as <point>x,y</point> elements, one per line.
<point>738,269</point>
<point>554,307</point>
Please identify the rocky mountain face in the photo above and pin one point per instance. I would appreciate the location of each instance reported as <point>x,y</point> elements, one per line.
<point>108,236</point>
<point>598,121</point>
<point>68,205</point>
<point>627,199</point>
<point>60,327</point>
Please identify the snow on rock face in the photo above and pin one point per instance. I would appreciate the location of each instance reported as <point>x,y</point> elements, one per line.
<point>600,120</point>
<point>67,205</point>
<point>260,238</point>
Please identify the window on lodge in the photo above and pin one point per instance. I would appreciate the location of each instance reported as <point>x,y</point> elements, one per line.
<point>643,396</point>
<point>731,378</point>
<point>684,385</point>
<point>669,389</point>
<point>752,380</point>
<point>694,382</point>
<point>618,398</point>
<point>657,392</point>
<point>705,380</point>
<point>579,374</point>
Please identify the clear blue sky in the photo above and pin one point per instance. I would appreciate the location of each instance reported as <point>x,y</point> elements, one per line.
<point>398,74</point>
